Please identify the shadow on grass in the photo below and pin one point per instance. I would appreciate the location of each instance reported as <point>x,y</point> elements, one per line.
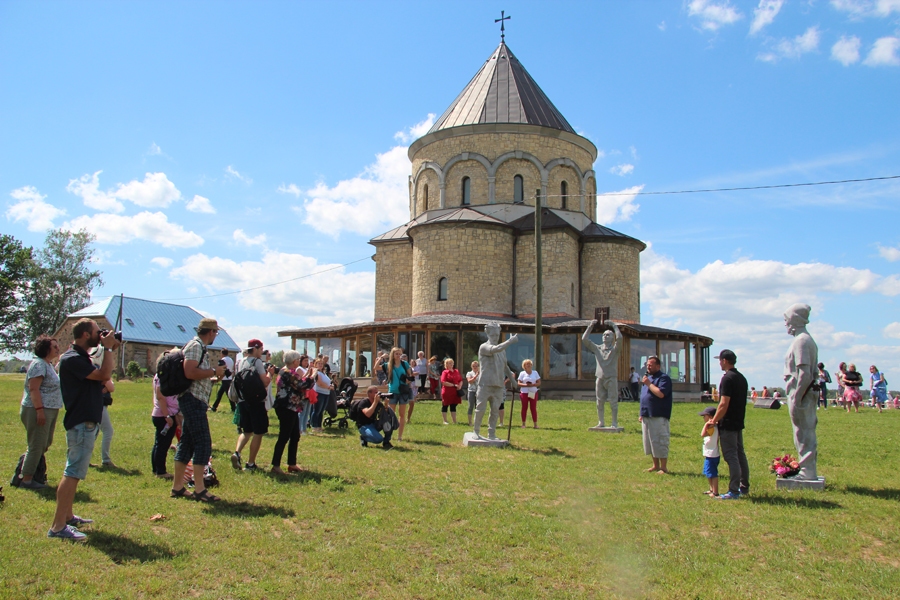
<point>430,443</point>
<point>242,508</point>
<point>304,477</point>
<point>884,494</point>
<point>121,549</point>
<point>49,494</point>
<point>791,501</point>
<point>552,451</point>
<point>119,471</point>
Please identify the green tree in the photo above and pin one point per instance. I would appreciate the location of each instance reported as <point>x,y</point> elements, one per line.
<point>61,280</point>
<point>15,268</point>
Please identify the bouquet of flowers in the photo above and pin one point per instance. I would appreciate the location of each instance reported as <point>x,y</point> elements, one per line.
<point>785,466</point>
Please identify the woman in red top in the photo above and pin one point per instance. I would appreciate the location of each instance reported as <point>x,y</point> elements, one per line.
<point>451,383</point>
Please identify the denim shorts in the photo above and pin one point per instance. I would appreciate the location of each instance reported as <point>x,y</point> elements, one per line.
<point>80,442</point>
<point>711,467</point>
<point>400,398</point>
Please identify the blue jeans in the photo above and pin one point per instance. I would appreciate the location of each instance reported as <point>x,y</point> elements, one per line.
<point>370,433</point>
<point>318,410</point>
<point>304,416</point>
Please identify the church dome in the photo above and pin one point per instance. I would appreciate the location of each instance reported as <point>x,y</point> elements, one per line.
<point>502,92</point>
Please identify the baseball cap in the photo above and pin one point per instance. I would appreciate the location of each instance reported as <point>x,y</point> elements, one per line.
<point>254,343</point>
<point>728,355</point>
<point>708,411</point>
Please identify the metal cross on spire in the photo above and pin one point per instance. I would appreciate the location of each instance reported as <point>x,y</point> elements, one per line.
<point>501,20</point>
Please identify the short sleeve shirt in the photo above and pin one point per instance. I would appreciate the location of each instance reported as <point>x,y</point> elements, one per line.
<point>83,397</point>
<point>533,378</point>
<point>733,385</point>
<point>651,406</point>
<point>200,388</point>
<point>51,396</point>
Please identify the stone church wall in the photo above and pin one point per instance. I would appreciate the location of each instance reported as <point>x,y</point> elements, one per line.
<point>477,262</point>
<point>393,276</point>
<point>559,250</point>
<point>611,277</point>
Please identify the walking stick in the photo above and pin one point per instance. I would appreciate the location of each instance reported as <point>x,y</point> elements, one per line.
<point>511,407</point>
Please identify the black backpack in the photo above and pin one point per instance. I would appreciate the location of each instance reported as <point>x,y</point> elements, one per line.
<point>40,474</point>
<point>356,412</point>
<point>170,371</point>
<point>249,384</point>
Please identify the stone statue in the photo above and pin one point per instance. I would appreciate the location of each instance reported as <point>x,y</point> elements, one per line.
<point>607,355</point>
<point>799,375</point>
<point>494,369</point>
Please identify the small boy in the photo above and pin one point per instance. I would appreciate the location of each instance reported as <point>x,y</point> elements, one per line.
<point>710,434</point>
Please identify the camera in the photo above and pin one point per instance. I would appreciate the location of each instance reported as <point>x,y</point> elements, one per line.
<point>227,370</point>
<point>117,335</point>
<point>269,365</point>
<point>387,395</point>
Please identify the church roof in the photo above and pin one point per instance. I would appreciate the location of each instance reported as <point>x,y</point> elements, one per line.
<point>502,92</point>
<point>517,216</point>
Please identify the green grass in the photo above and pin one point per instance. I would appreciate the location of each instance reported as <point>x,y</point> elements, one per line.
<point>563,513</point>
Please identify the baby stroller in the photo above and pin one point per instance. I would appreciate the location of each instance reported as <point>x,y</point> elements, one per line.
<point>345,392</point>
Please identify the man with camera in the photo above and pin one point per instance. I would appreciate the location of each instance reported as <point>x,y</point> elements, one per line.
<point>227,362</point>
<point>196,443</point>
<point>81,384</point>
<point>368,422</point>
<point>254,417</point>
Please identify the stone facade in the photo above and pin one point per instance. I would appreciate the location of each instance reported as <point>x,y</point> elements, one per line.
<point>394,280</point>
<point>611,277</point>
<point>560,267</point>
<point>477,262</point>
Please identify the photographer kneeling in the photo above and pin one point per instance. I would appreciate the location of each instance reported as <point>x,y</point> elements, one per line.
<point>368,422</point>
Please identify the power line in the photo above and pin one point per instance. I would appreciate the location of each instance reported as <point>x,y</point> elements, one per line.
<point>755,187</point>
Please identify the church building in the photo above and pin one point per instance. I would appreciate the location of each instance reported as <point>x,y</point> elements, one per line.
<point>466,256</point>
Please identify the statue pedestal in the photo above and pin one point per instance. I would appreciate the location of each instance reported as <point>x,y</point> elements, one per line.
<point>607,429</point>
<point>800,484</point>
<point>470,439</point>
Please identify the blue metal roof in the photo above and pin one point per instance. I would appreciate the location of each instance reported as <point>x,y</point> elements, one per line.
<point>149,322</point>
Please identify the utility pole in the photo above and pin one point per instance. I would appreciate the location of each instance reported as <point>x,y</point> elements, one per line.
<point>539,291</point>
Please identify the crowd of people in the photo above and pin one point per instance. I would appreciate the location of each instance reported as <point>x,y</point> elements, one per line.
<point>848,395</point>
<point>82,384</point>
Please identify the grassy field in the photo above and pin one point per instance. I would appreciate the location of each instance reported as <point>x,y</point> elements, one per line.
<point>563,513</point>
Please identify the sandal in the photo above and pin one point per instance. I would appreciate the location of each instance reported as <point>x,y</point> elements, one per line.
<point>205,496</point>
<point>294,469</point>
<point>182,493</point>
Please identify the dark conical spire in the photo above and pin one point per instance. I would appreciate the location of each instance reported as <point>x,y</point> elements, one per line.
<point>502,92</point>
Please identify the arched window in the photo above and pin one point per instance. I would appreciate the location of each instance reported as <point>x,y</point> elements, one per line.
<point>564,194</point>
<point>518,189</point>
<point>466,191</point>
<point>442,288</point>
<point>425,193</point>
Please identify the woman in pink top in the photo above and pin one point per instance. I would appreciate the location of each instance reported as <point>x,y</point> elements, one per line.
<point>166,419</point>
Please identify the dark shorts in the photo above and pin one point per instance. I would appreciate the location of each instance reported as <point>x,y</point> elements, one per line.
<point>196,443</point>
<point>254,418</point>
<point>711,467</point>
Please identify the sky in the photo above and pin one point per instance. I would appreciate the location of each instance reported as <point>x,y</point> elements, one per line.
<point>215,147</point>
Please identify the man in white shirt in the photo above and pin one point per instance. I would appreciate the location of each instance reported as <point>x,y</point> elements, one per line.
<point>228,363</point>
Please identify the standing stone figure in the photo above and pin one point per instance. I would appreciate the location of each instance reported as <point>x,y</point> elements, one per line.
<point>607,355</point>
<point>799,375</point>
<point>494,369</point>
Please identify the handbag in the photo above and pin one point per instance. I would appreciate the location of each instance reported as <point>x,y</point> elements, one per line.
<point>461,393</point>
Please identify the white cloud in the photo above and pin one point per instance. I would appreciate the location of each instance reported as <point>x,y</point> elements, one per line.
<point>867,8</point>
<point>153,227</point>
<point>884,53</point>
<point>289,189</point>
<point>661,26</point>
<point>268,335</point>
<point>162,261</point>
<point>764,14</point>
<point>369,203</point>
<point>846,50</point>
<point>714,15</point>
<point>888,253</point>
<point>156,191</point>
<point>332,296</point>
<point>88,188</point>
<point>105,257</point>
<point>154,150</point>
<point>242,238</point>
<point>740,304</point>
<point>793,48</point>
<point>892,330</point>
<point>232,172</point>
<point>408,136</point>
<point>617,206</point>
<point>199,204</point>
<point>623,169</point>
<point>31,208</point>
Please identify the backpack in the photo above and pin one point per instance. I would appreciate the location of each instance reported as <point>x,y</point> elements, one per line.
<point>40,474</point>
<point>356,412</point>
<point>248,382</point>
<point>170,371</point>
